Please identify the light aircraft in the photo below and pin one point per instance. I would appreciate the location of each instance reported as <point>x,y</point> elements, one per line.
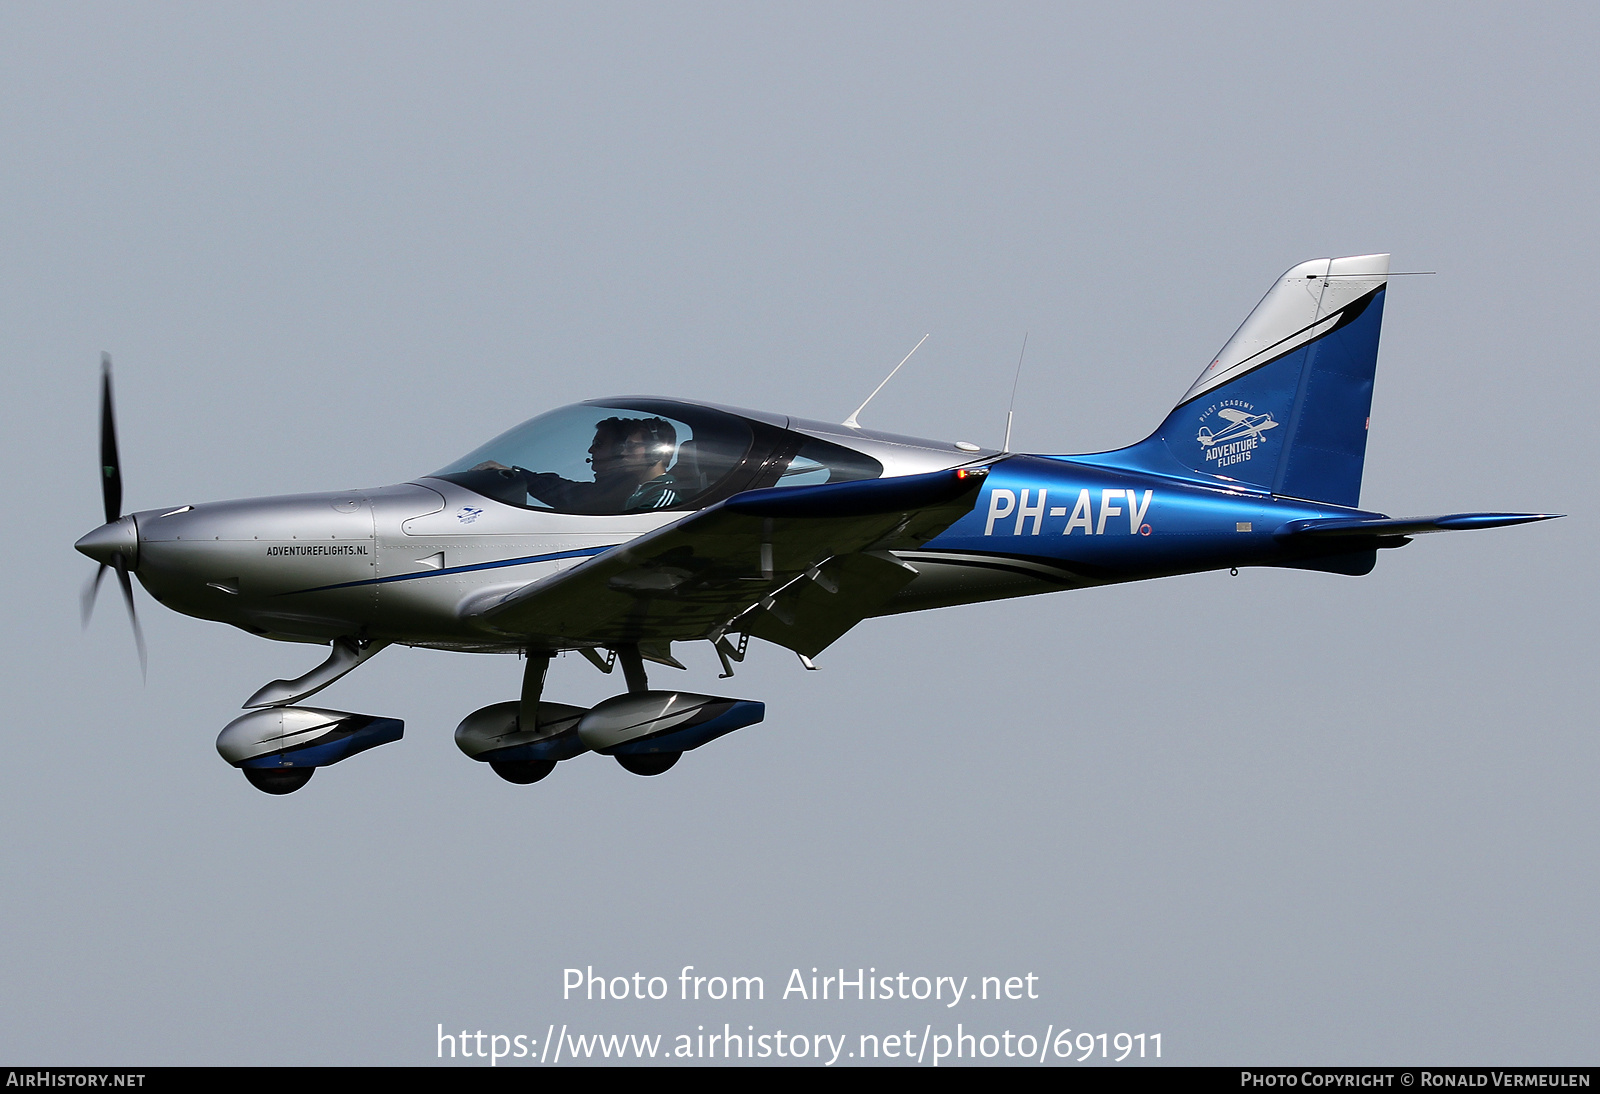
<point>619,527</point>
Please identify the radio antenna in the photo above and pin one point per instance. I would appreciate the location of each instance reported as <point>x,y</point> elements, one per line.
<point>1006,444</point>
<point>851,422</point>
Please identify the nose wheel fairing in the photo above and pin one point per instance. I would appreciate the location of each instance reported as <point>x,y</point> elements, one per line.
<point>290,737</point>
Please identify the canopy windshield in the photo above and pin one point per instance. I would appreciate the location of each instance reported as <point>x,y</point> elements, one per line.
<point>604,459</point>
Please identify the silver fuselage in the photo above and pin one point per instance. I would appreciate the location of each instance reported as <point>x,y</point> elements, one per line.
<point>409,563</point>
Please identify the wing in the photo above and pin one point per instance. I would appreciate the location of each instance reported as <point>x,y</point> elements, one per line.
<point>798,566</point>
<point>1233,415</point>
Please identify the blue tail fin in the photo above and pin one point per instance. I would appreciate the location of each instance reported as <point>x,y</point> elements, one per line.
<point>1285,405</point>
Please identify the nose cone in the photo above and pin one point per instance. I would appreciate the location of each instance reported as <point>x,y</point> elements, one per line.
<point>120,537</point>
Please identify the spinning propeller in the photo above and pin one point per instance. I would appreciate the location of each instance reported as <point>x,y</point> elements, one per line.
<point>115,544</point>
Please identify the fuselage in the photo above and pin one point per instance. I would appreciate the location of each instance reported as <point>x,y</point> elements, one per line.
<point>412,563</point>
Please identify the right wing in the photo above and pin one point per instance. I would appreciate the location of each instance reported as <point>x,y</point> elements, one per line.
<point>796,565</point>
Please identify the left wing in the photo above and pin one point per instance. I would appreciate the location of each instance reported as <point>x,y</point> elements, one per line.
<point>798,566</point>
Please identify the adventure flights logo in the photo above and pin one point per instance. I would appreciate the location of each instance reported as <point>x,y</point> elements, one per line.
<point>1230,431</point>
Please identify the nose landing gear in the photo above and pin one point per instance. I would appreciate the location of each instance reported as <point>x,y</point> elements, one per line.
<point>279,747</point>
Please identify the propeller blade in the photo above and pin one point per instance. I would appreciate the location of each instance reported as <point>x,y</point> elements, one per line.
<point>110,464</point>
<point>111,494</point>
<point>91,590</point>
<point>133,616</point>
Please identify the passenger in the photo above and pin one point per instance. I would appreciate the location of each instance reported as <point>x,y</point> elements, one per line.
<point>646,454</point>
<point>632,455</point>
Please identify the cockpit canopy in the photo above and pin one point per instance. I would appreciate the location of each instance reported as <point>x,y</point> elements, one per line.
<point>629,455</point>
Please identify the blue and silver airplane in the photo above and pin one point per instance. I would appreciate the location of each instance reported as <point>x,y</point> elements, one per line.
<point>619,527</point>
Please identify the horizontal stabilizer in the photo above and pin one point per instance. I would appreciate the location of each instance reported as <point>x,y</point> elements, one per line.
<point>1405,526</point>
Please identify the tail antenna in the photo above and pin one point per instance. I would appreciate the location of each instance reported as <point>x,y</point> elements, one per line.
<point>851,422</point>
<point>1005,445</point>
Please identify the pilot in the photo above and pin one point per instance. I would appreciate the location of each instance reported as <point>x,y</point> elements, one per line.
<point>633,454</point>
<point>630,457</point>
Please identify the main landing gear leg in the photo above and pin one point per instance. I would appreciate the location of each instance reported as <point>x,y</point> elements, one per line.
<point>533,674</point>
<point>633,668</point>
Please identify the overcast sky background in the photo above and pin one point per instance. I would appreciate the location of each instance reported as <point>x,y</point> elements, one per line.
<point>1281,818</point>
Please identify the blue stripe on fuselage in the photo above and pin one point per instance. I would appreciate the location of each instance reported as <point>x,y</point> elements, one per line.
<point>582,552</point>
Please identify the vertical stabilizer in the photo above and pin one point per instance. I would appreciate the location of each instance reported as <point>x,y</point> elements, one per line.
<point>1285,405</point>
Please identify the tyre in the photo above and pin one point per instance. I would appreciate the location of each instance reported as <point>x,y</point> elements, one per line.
<point>522,772</point>
<point>649,763</point>
<point>278,780</point>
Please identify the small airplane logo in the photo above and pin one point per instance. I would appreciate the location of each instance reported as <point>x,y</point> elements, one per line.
<point>1240,425</point>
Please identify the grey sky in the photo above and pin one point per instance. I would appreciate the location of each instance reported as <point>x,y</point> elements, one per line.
<point>1287,817</point>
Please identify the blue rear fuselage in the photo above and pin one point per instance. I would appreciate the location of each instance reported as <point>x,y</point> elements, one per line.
<point>1100,523</point>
